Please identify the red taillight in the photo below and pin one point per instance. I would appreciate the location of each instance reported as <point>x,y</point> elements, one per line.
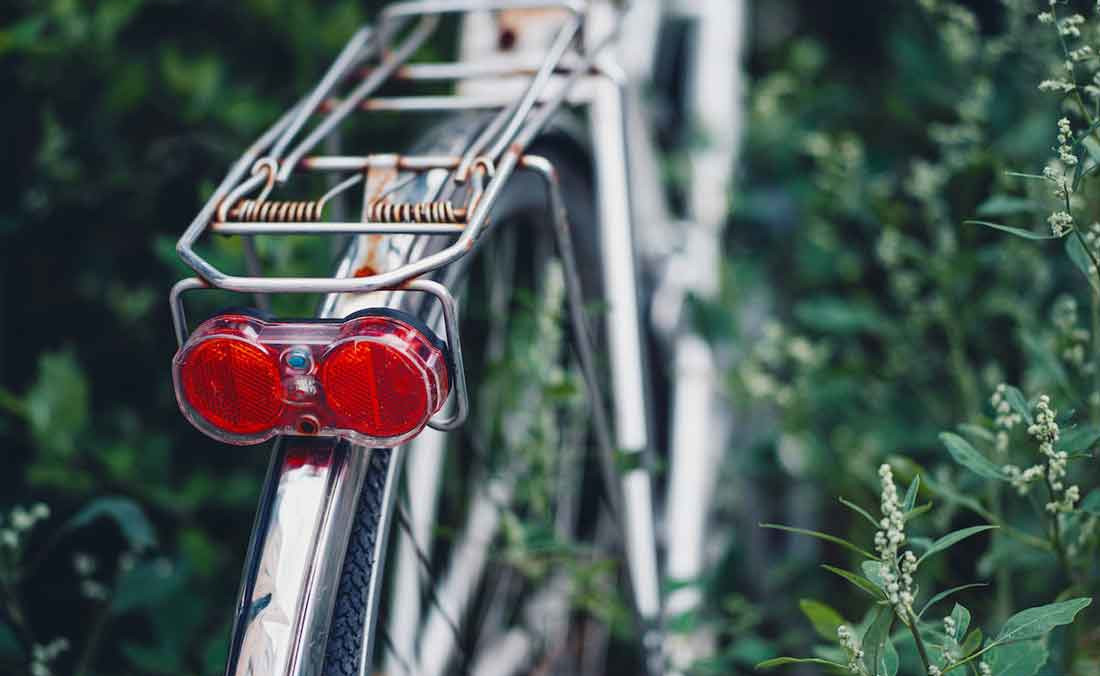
<point>386,380</point>
<point>233,384</point>
<point>377,378</point>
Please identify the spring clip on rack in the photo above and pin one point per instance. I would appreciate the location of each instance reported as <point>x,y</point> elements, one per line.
<point>241,206</point>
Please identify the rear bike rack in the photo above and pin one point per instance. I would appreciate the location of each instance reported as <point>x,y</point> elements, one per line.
<point>370,60</point>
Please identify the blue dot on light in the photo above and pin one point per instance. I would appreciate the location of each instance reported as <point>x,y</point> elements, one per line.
<point>297,360</point>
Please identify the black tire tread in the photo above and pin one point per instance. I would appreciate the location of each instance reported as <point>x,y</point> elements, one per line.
<point>345,638</point>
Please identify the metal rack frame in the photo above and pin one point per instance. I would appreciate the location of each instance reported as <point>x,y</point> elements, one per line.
<point>495,154</point>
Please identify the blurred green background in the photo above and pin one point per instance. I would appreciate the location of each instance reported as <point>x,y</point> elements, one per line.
<point>875,129</point>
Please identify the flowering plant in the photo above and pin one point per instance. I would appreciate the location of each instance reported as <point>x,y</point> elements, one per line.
<point>889,578</point>
<point>850,378</point>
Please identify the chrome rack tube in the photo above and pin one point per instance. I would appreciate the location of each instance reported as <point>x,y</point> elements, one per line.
<point>421,7</point>
<point>344,228</point>
<point>424,28</point>
<point>349,55</point>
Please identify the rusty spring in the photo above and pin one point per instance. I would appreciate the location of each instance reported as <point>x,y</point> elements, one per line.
<point>275,210</point>
<point>420,212</point>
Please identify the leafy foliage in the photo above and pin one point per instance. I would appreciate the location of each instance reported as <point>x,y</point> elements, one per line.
<point>892,271</point>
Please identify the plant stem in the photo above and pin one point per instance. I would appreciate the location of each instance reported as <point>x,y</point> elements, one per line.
<point>1056,539</point>
<point>1089,400</point>
<point>1073,73</point>
<point>960,366</point>
<point>970,658</point>
<point>91,645</point>
<point>1069,656</point>
<point>921,650</point>
<point>1003,594</point>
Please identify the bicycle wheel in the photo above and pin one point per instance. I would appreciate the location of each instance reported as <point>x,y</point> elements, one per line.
<point>518,567</point>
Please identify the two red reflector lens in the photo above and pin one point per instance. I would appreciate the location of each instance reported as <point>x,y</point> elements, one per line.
<point>376,379</point>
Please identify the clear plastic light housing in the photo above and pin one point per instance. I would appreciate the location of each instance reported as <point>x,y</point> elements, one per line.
<point>375,379</point>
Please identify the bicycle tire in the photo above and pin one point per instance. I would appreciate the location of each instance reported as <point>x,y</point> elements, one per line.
<point>523,197</point>
<point>345,638</point>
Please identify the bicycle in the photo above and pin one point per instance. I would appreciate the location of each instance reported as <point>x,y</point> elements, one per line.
<point>367,394</point>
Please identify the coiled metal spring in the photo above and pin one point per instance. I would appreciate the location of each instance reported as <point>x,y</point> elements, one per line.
<point>278,211</point>
<point>419,212</point>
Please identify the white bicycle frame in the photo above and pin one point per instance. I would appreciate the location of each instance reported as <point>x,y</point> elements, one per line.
<point>305,516</point>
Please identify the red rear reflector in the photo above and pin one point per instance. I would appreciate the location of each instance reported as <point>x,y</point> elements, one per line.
<point>233,384</point>
<point>376,379</point>
<point>379,381</point>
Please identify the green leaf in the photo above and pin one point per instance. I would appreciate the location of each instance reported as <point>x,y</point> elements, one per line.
<point>952,539</point>
<point>824,618</point>
<point>58,403</point>
<point>972,642</point>
<point>875,639</point>
<point>962,621</point>
<point>858,580</point>
<point>1019,232</point>
<point>1017,659</point>
<point>952,496</point>
<point>967,456</point>
<point>978,432</point>
<point>890,659</point>
<point>1090,145</point>
<point>111,17</point>
<point>146,585</point>
<point>1018,402</point>
<point>821,536</point>
<point>917,511</point>
<point>944,594</point>
<point>1078,171</point>
<point>919,542</point>
<point>1091,503</point>
<point>911,494</point>
<point>1038,621</point>
<point>129,516</point>
<point>780,661</point>
<point>836,315</point>
<point>872,570</point>
<point>1006,205</point>
<point>859,510</point>
<point>1078,438</point>
<point>23,34</point>
<point>1080,258</point>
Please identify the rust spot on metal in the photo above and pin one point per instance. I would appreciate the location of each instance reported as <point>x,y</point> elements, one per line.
<point>515,149</point>
<point>372,256</point>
